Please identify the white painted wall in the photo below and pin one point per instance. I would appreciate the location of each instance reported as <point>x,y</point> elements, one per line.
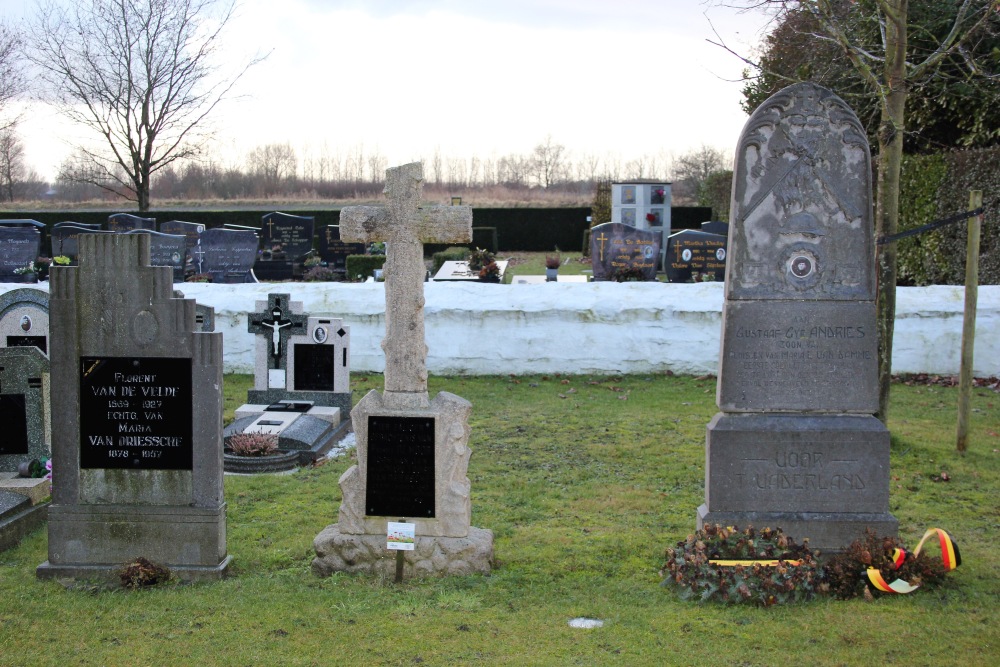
<point>584,327</point>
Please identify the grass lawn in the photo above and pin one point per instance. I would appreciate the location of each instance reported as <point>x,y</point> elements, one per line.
<point>584,481</point>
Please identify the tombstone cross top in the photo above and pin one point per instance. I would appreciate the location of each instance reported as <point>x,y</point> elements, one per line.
<point>279,322</point>
<point>405,228</point>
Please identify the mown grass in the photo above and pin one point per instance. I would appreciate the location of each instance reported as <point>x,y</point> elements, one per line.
<point>584,481</point>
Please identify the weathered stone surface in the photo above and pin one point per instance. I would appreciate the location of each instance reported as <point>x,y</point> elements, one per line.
<point>24,318</point>
<point>24,406</point>
<point>18,517</point>
<point>432,556</point>
<point>114,311</point>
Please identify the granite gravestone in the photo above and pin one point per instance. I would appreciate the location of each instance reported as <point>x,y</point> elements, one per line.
<point>293,233</point>
<point>24,406</point>
<point>795,444</point>
<point>136,443</point>
<point>24,319</point>
<point>166,250</point>
<point>227,255</point>
<point>301,379</point>
<point>412,452</point>
<point>697,256</point>
<point>335,252</point>
<point>64,238</point>
<point>126,222</point>
<point>716,227</point>
<point>19,248</point>
<point>621,252</point>
<point>191,231</point>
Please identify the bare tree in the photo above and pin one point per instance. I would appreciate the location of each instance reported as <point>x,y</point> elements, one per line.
<point>139,73</point>
<point>12,169</point>
<point>693,169</point>
<point>271,166</point>
<point>12,79</point>
<point>547,162</point>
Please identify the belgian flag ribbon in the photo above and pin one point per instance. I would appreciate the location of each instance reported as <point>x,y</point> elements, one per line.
<point>949,556</point>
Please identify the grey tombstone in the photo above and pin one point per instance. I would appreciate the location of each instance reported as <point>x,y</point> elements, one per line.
<point>412,452</point>
<point>137,438</point>
<point>227,254</point>
<point>301,378</point>
<point>191,231</point>
<point>292,233</point>
<point>24,319</point>
<point>694,255</point>
<point>19,247</point>
<point>619,250</point>
<point>166,250</point>
<point>64,238</point>
<point>796,444</point>
<point>24,406</point>
<point>126,222</point>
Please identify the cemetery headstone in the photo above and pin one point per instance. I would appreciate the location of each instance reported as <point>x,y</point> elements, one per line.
<point>166,250</point>
<point>19,248</point>
<point>621,251</point>
<point>301,378</point>
<point>716,227</point>
<point>64,237</point>
<point>412,452</point>
<point>24,319</point>
<point>136,443</point>
<point>227,255</point>
<point>694,255</point>
<point>796,444</point>
<point>335,252</point>
<point>292,233</point>
<point>191,231</point>
<point>126,222</point>
<point>24,406</point>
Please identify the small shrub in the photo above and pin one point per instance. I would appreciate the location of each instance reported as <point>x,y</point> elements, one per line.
<point>253,444</point>
<point>359,267</point>
<point>627,275</point>
<point>318,274</point>
<point>142,573</point>
<point>479,258</point>
<point>453,254</point>
<point>552,262</point>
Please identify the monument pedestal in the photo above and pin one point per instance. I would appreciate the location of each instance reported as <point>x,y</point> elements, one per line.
<point>431,556</point>
<point>822,477</point>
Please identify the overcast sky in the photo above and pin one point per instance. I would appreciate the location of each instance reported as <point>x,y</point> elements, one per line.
<point>411,77</point>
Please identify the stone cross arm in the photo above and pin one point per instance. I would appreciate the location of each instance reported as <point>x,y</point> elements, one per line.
<point>433,224</point>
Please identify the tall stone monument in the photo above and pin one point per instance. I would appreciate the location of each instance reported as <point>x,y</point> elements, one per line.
<point>795,445</point>
<point>136,436</point>
<point>413,452</point>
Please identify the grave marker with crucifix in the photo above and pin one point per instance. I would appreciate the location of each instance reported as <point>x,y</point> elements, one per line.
<point>412,452</point>
<point>274,325</point>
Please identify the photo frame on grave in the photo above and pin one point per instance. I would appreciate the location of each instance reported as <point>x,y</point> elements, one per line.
<point>628,194</point>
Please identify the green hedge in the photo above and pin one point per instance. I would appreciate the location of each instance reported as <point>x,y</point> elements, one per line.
<point>453,254</point>
<point>935,187</point>
<point>362,266</point>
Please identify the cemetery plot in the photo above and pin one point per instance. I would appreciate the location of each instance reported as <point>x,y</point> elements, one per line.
<point>620,252</point>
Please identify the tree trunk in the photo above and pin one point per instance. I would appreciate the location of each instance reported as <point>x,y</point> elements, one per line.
<point>890,140</point>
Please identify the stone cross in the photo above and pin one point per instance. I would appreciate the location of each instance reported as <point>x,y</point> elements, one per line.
<point>279,322</point>
<point>405,228</point>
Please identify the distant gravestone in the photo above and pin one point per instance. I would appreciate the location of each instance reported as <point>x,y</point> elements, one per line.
<point>716,227</point>
<point>166,250</point>
<point>698,256</point>
<point>795,444</point>
<point>620,251</point>
<point>19,248</point>
<point>301,378</point>
<point>126,222</point>
<point>335,252</point>
<point>24,406</point>
<point>64,238</point>
<point>227,254</point>
<point>24,319</point>
<point>136,441</point>
<point>293,233</point>
<point>412,452</point>
<point>191,231</point>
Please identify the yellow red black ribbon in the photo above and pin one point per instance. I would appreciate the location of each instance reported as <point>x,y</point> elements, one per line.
<point>949,556</point>
<point>751,563</point>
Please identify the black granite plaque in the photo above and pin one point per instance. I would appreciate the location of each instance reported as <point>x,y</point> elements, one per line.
<point>313,367</point>
<point>14,418</point>
<point>292,233</point>
<point>400,467</point>
<point>335,252</point>
<point>28,341</point>
<point>135,413</point>
<point>696,255</point>
<point>620,252</point>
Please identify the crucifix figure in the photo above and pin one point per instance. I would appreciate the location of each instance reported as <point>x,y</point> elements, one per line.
<point>405,228</point>
<point>277,323</point>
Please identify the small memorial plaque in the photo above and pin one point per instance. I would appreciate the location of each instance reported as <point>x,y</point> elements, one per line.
<point>314,366</point>
<point>14,418</point>
<point>400,467</point>
<point>135,413</point>
<point>28,341</point>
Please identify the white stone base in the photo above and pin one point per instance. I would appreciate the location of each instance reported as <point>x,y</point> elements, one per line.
<point>432,556</point>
